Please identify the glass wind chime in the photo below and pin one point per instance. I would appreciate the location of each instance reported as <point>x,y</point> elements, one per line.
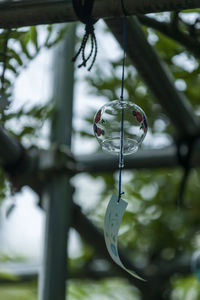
<point>120,127</point>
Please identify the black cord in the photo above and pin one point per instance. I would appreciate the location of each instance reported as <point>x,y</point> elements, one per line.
<point>123,8</point>
<point>83,12</point>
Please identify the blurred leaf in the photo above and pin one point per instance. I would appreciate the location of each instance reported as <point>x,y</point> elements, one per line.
<point>16,56</point>
<point>24,44</point>
<point>18,292</point>
<point>34,36</point>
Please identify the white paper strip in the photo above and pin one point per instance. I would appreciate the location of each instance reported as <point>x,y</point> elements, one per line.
<point>113,217</point>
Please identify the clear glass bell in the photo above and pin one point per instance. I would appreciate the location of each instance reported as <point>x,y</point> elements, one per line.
<point>107,126</point>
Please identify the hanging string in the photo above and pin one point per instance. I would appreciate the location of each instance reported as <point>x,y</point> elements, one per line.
<point>124,58</point>
<point>121,153</point>
<point>83,11</point>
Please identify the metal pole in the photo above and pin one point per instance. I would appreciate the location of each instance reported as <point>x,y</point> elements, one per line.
<point>57,198</point>
<point>143,159</point>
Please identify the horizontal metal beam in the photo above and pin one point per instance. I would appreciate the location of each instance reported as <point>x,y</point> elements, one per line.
<point>11,154</point>
<point>143,159</point>
<point>156,76</point>
<point>33,12</point>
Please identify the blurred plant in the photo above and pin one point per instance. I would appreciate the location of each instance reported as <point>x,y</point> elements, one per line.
<point>18,47</point>
<point>16,291</point>
<point>158,236</point>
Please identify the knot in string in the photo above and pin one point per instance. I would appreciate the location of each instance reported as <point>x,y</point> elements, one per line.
<point>89,34</point>
<point>83,11</point>
<point>89,29</point>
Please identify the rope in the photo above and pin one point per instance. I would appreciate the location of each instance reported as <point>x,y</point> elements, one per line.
<point>83,12</point>
<point>121,154</point>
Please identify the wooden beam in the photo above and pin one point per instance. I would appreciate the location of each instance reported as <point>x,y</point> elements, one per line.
<point>34,12</point>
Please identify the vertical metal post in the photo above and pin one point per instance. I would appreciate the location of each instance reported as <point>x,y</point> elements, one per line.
<point>57,198</point>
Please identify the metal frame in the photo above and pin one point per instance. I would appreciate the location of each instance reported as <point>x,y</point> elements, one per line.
<point>57,195</point>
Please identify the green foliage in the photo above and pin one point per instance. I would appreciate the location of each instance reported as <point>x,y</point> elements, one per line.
<point>105,289</point>
<point>17,48</point>
<point>108,84</point>
<point>30,121</point>
<point>18,292</point>
<point>186,288</point>
<point>158,236</point>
